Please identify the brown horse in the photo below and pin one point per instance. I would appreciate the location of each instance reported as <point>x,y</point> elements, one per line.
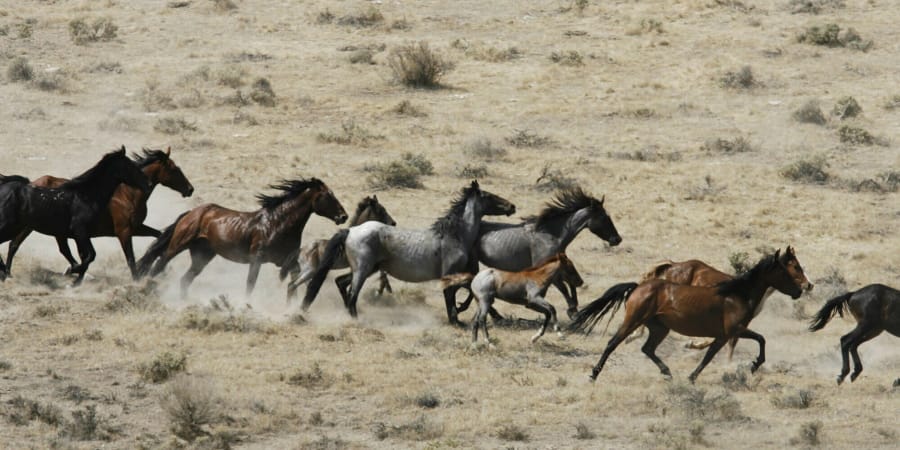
<point>527,287</point>
<point>875,307</point>
<point>127,208</point>
<point>722,312</point>
<point>269,235</point>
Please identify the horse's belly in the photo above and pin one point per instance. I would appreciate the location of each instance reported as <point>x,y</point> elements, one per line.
<point>410,272</point>
<point>695,326</point>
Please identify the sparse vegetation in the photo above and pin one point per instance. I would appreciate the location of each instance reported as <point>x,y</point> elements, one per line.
<point>855,135</point>
<point>406,108</point>
<point>707,190</point>
<point>814,6</point>
<point>224,5</point>
<point>552,179</point>
<point>846,108</point>
<point>647,26</point>
<point>800,399</point>
<point>428,400</point>
<point>810,171</point>
<point>361,56</point>
<point>86,425</point>
<point>20,411</point>
<point>368,18</point>
<point>314,378</point>
<point>473,171</point>
<point>351,134</point>
<point>19,70</point>
<point>219,317</point>
<point>483,148</point>
<point>808,434</point>
<point>830,35</point>
<point>173,125</point>
<point>512,432</point>
<point>892,103</point>
<point>739,144</point>
<point>484,52</point>
<point>262,92</point>
<point>742,78</point>
<point>582,432</point>
<point>647,154</point>
<point>741,379</point>
<point>84,32</point>
<point>406,172</point>
<point>567,58</point>
<point>697,403</point>
<point>132,298</point>
<point>191,405</point>
<point>810,112</point>
<point>416,65</point>
<point>528,139</point>
<point>419,429</point>
<point>740,262</point>
<point>164,366</point>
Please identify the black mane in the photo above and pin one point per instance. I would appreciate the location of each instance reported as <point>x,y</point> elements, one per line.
<point>740,284</point>
<point>291,188</point>
<point>148,156</point>
<point>13,179</point>
<point>450,223</point>
<point>566,202</point>
<point>88,176</point>
<point>362,205</point>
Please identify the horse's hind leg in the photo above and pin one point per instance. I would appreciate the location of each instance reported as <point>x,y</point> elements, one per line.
<point>87,254</point>
<point>628,326</point>
<point>201,255</point>
<point>847,342</point>
<point>539,304</point>
<point>658,333</point>
<point>63,245</point>
<point>710,353</point>
<point>750,334</point>
<point>362,272</point>
<point>14,247</point>
<point>343,283</point>
<point>857,363</point>
<point>128,249</point>
<point>385,283</point>
<point>570,296</point>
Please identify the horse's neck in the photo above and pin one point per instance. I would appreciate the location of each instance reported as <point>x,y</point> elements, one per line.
<point>471,223</point>
<point>756,295</point>
<point>151,171</point>
<point>545,274</point>
<point>98,190</point>
<point>364,216</point>
<point>290,216</point>
<point>565,228</point>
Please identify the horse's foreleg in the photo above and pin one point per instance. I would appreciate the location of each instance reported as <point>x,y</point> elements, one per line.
<point>252,275</point>
<point>63,245</point>
<point>750,334</point>
<point>13,248</point>
<point>363,270</point>
<point>128,249</point>
<point>343,283</point>
<point>539,304</point>
<point>450,304</point>
<point>710,353</point>
<point>85,252</point>
<point>146,230</point>
<point>201,255</point>
<point>658,333</point>
<point>570,296</point>
<point>385,283</point>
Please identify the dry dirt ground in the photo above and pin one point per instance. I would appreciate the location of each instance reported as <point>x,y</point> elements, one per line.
<point>644,102</point>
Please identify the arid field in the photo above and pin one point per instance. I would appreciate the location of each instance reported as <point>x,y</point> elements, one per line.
<point>716,129</point>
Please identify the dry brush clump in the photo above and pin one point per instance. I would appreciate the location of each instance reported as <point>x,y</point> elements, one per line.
<point>162,367</point>
<point>799,399</point>
<point>571,58</point>
<point>20,411</point>
<point>350,133</point>
<point>738,144</point>
<point>473,171</point>
<point>191,405</point>
<point>418,429</point>
<point>174,125</point>
<point>830,35</point>
<point>810,112</point>
<point>483,148</point>
<point>131,298</point>
<point>314,378</point>
<point>552,179</point>
<point>220,317</point>
<point>708,190</point>
<point>528,139</point>
<point>809,434</point>
<point>813,6</point>
<point>406,172</point>
<point>19,70</point>
<point>846,108</point>
<point>408,109</point>
<point>83,32</point>
<point>808,170</point>
<point>87,425</point>
<point>742,78</point>
<point>484,52</point>
<point>851,135</point>
<point>697,403</point>
<point>416,65</point>
<point>262,93</point>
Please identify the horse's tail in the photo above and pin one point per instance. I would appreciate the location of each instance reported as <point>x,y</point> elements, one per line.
<point>157,248</point>
<point>13,178</point>
<point>825,314</point>
<point>657,271</point>
<point>333,250</point>
<point>463,280</point>
<point>585,319</point>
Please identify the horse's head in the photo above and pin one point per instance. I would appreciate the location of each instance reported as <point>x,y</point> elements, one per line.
<point>569,272</point>
<point>370,208</point>
<point>164,171</point>
<point>124,170</point>
<point>601,224</point>
<point>786,274</point>
<point>327,205</point>
<point>492,204</point>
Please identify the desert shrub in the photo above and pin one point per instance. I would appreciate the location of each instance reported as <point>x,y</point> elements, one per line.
<point>892,103</point>
<point>314,378</point>
<point>21,410</point>
<point>473,171</point>
<point>647,154</point>
<point>852,39</point>
<point>706,190</point>
<point>51,81</point>
<point>831,284</point>
<point>742,78</point>
<point>361,56</point>
<point>178,4</point>
<point>75,393</point>
<point>583,432</point>
<point>483,148</point>
<point>19,70</point>
<point>512,432</point>
<point>810,171</point>
<point>528,139</point>
<point>191,404</point>
<point>406,108</point>
<point>131,298</point>
<point>350,133</point>
<point>243,117</point>
<point>808,434</point>
<point>813,6</point>
<point>419,429</point>
<point>163,366</point>
<point>5,365</point>
<point>46,311</point>
<point>325,17</point>
<point>231,76</point>
<point>801,399</point>
<point>855,135</point>
<point>810,112</point>
<point>416,65</point>
<point>192,99</point>
<point>739,144</point>
<point>482,52</point>
<point>219,317</point>
<point>846,108</point>
<point>403,173</point>
<point>740,262</point>
<point>262,92</point>
<point>890,180</point>
<point>646,26</point>
<point>428,400</point>
<point>552,179</point>
<point>173,125</point>
<point>567,58</point>
<point>401,25</point>
<point>104,67</point>
<point>696,403</point>
<point>224,5</point>
<point>830,35</point>
<point>86,425</point>
<point>154,99</point>
<point>740,380</point>
<point>368,18</point>
<point>100,29</point>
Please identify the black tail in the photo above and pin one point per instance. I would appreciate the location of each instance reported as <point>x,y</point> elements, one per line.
<point>157,248</point>
<point>585,319</point>
<point>825,314</point>
<point>334,249</point>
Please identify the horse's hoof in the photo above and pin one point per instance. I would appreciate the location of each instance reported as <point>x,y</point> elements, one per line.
<point>458,323</point>
<point>840,379</point>
<point>754,367</point>
<point>592,378</point>
<point>854,376</point>
<point>572,313</point>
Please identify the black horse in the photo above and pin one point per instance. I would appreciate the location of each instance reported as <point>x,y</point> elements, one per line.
<point>69,211</point>
<point>875,307</point>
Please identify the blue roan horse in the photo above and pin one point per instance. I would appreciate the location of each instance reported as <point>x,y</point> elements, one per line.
<point>411,255</point>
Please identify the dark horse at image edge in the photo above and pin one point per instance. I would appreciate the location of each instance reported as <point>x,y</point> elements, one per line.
<point>69,211</point>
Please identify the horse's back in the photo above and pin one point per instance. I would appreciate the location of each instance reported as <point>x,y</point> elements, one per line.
<point>692,272</point>
<point>878,304</point>
<point>688,310</point>
<point>49,181</point>
<point>408,255</point>
<point>505,246</point>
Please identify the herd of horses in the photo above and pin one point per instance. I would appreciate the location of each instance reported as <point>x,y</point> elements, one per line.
<point>522,259</point>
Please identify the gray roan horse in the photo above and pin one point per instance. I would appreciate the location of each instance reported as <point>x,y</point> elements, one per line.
<point>310,255</point>
<point>875,307</point>
<point>516,247</point>
<point>411,255</point>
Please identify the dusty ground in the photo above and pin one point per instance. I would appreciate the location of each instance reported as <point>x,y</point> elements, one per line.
<point>630,111</point>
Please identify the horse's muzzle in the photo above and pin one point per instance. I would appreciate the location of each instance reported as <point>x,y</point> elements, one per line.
<point>615,240</point>
<point>340,219</point>
<point>188,192</point>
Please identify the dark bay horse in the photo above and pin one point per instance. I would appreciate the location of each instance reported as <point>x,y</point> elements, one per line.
<point>268,235</point>
<point>127,209</point>
<point>515,247</point>
<point>875,307</point>
<point>68,211</point>
<point>310,255</point>
<point>527,287</point>
<point>411,255</point>
<point>722,312</point>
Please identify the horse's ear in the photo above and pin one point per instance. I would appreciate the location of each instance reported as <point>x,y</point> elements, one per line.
<point>789,251</point>
<point>169,150</point>
<point>602,199</point>
<point>778,254</point>
<point>475,184</point>
<point>375,197</point>
<point>121,150</point>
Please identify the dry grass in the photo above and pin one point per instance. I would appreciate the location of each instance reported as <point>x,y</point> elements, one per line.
<point>416,65</point>
<point>407,172</point>
<point>84,31</point>
<point>808,170</point>
<point>742,78</point>
<point>164,366</point>
<point>191,405</point>
<point>810,112</point>
<point>19,70</point>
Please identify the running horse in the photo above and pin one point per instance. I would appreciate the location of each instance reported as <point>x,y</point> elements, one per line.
<point>527,287</point>
<point>127,208</point>
<point>68,211</point>
<point>310,255</point>
<point>875,307</point>
<point>447,247</point>
<point>722,312</point>
<point>268,235</point>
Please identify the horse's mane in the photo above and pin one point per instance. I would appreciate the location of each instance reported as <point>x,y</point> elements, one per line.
<point>291,189</point>
<point>742,282</point>
<point>148,156</point>
<point>88,176</point>
<point>451,221</point>
<point>566,202</point>
<point>13,179</point>
<point>362,205</point>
